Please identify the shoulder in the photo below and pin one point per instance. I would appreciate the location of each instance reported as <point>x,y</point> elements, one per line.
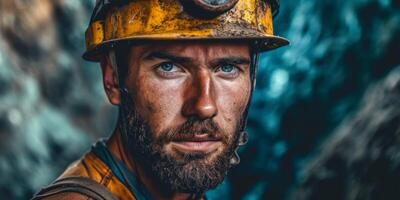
<point>75,188</point>
<point>89,167</point>
<point>67,196</point>
<point>86,167</point>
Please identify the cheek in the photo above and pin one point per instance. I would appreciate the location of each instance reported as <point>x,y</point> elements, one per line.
<point>232,101</point>
<point>158,102</point>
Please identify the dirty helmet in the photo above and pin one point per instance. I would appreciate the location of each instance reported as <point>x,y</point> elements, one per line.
<point>121,21</point>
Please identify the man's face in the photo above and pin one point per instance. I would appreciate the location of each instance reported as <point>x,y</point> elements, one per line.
<point>184,107</point>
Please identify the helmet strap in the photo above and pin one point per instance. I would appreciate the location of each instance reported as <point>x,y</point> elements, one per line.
<point>244,136</point>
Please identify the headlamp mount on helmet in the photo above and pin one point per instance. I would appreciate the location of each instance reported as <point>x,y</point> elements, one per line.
<point>207,9</point>
<point>197,7</point>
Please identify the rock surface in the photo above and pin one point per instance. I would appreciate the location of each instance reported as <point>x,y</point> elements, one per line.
<point>362,158</point>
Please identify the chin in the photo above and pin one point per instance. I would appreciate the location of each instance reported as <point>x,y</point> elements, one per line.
<point>191,172</point>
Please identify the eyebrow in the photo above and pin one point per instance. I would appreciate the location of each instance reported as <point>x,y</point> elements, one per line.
<point>237,60</point>
<point>168,56</point>
<point>232,60</point>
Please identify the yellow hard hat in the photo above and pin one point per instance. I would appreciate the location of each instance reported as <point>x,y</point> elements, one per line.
<point>115,21</point>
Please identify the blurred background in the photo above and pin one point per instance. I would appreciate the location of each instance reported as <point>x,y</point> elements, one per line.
<point>324,121</point>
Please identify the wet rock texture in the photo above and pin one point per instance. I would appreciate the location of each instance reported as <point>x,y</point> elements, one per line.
<point>52,104</point>
<point>362,158</point>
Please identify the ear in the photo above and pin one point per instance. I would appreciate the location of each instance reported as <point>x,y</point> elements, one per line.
<point>110,81</point>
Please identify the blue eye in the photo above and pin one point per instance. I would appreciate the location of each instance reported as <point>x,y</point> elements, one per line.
<point>228,71</point>
<point>167,67</point>
<point>227,68</point>
<point>168,70</point>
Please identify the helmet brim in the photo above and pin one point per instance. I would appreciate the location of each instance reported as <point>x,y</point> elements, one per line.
<point>259,43</point>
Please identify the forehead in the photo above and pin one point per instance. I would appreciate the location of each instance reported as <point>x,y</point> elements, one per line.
<point>193,49</point>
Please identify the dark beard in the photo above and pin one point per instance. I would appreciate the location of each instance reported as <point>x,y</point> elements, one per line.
<point>192,173</point>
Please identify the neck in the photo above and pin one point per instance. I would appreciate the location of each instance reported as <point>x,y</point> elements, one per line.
<point>116,146</point>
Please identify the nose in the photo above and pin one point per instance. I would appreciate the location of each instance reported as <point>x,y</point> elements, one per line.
<point>200,97</point>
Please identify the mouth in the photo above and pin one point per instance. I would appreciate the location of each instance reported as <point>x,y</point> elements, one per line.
<point>197,143</point>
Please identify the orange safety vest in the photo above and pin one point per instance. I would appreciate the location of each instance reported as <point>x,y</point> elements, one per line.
<point>94,168</point>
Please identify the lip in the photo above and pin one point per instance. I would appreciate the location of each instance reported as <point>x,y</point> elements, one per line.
<point>198,143</point>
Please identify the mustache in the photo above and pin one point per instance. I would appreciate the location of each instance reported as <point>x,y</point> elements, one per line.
<point>193,127</point>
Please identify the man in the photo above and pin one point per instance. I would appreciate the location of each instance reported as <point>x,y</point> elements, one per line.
<point>182,74</point>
